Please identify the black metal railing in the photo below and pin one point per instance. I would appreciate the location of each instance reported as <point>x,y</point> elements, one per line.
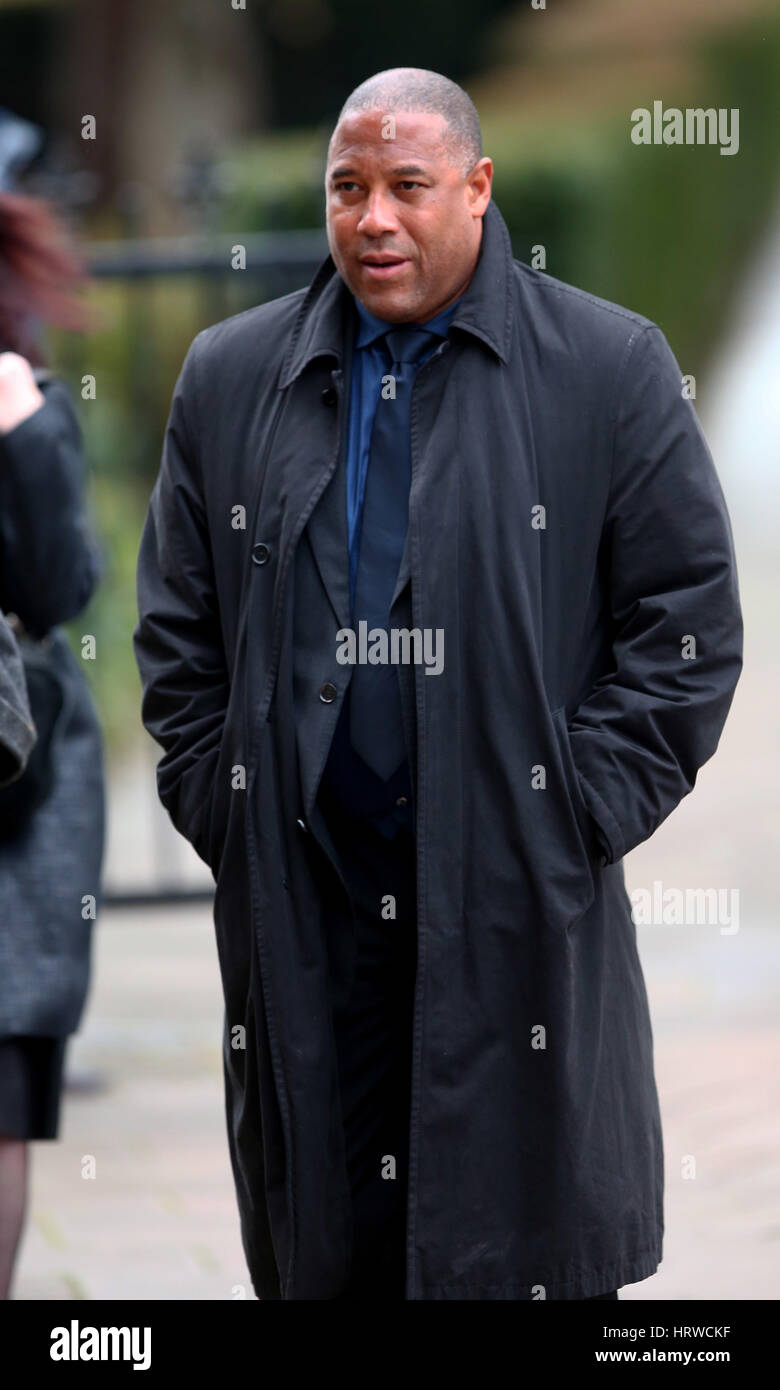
<point>276,264</point>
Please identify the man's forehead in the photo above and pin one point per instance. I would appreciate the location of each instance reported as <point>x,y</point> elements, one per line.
<point>385,130</point>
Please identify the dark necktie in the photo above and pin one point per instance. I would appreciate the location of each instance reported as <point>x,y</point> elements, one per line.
<point>376,721</point>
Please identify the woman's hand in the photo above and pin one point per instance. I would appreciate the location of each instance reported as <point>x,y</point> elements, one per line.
<point>19,393</point>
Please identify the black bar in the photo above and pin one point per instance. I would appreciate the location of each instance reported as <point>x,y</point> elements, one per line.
<point>158,897</point>
<point>265,252</point>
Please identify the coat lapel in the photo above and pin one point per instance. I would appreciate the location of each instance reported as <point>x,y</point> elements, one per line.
<point>404,571</point>
<point>327,525</point>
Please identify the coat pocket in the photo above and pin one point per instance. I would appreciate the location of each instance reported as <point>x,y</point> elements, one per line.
<point>581,820</point>
<point>219,806</point>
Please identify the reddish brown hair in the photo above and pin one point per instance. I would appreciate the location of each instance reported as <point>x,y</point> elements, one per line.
<point>40,273</point>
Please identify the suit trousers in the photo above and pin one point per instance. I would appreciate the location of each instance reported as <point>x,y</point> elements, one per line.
<point>373,1024</point>
<point>372,1021</point>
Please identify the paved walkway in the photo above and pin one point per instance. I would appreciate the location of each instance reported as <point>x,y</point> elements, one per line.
<point>159,1217</point>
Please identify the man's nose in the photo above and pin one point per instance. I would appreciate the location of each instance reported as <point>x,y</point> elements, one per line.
<point>378,216</point>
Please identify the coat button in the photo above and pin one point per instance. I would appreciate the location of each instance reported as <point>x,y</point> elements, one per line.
<point>328,693</point>
<point>302,826</point>
<point>329,396</point>
<point>401,801</point>
<point>261,553</point>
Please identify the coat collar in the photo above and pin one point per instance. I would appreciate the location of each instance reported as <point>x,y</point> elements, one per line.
<point>484,309</point>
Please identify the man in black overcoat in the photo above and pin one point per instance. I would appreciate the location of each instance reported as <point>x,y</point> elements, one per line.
<point>438,619</point>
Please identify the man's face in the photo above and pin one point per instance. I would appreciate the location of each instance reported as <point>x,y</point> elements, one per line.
<point>404,224</point>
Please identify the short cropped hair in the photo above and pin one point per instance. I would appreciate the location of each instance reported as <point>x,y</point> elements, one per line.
<point>420,89</point>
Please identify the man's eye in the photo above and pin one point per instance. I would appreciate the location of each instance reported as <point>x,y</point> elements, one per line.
<point>409,183</point>
<point>346,185</point>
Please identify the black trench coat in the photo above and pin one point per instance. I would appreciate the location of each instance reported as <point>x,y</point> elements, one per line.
<point>571,717</point>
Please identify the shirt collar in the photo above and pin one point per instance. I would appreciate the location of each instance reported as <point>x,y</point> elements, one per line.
<point>369,327</point>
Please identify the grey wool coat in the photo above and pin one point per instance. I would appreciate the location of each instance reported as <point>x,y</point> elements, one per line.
<point>568,532</point>
<point>50,563</point>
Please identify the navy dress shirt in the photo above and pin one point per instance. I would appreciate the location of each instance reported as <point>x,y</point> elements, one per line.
<point>369,365</point>
<point>355,786</point>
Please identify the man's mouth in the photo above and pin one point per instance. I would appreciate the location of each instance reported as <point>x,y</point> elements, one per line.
<point>383,265</point>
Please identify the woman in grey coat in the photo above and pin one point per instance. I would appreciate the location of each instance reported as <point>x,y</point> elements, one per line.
<point>49,565</point>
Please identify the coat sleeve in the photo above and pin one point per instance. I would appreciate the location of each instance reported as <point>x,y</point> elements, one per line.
<point>642,733</point>
<point>50,561</point>
<point>17,731</point>
<point>178,639</point>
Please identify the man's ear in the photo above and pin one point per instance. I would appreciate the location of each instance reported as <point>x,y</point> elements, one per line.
<point>479,186</point>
